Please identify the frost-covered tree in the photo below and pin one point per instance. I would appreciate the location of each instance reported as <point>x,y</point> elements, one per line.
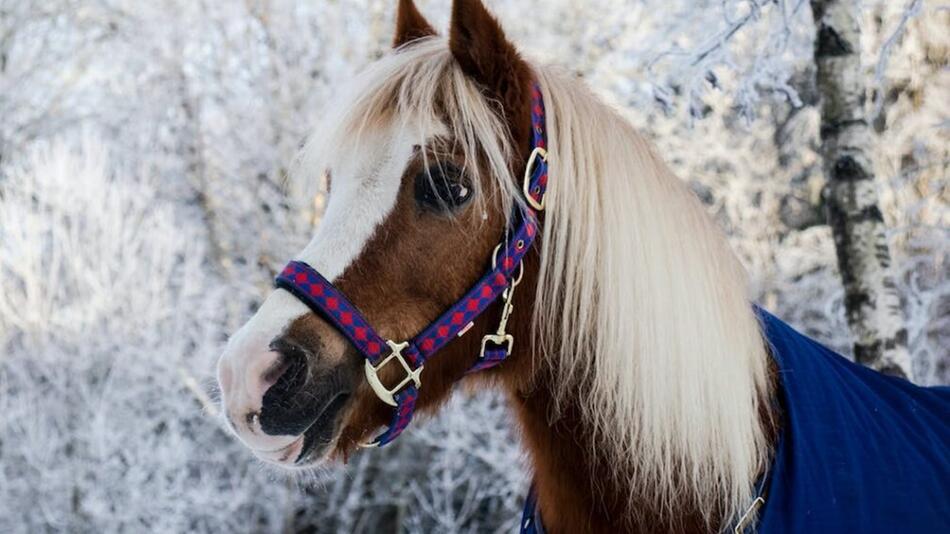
<point>864,259</point>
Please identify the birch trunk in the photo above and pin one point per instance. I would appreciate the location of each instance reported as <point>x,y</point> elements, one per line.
<point>871,298</point>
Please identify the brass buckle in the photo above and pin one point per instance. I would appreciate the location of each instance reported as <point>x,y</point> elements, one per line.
<point>372,373</point>
<point>538,152</point>
<point>507,340</point>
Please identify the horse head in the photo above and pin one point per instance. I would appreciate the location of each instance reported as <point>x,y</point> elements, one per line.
<point>420,159</point>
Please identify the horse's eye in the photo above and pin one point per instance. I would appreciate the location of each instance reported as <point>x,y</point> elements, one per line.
<point>442,187</point>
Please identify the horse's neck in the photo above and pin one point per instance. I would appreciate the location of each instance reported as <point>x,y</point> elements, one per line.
<point>577,490</point>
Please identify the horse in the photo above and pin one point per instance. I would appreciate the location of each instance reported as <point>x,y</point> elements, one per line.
<point>490,221</point>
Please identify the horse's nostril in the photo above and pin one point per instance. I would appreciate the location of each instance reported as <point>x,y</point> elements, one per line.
<point>275,371</point>
<point>302,392</point>
<point>285,408</point>
<point>287,375</point>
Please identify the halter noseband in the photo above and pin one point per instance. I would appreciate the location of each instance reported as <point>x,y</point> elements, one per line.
<point>311,288</point>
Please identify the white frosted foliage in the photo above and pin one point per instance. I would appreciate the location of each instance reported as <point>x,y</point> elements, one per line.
<point>143,148</point>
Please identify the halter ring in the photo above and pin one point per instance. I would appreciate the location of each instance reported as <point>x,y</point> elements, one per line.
<point>372,373</point>
<point>541,153</point>
<point>494,263</point>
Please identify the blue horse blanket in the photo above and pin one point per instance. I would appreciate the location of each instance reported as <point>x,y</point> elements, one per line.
<point>859,452</point>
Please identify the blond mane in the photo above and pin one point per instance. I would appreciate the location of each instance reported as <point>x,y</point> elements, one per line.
<point>641,304</point>
<point>642,301</point>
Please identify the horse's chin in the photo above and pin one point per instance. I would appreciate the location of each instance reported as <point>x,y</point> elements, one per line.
<point>317,448</point>
<point>307,451</point>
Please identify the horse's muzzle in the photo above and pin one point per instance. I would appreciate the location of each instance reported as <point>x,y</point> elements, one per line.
<point>283,403</point>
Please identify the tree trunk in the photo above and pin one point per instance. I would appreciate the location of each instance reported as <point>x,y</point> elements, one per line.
<point>871,299</point>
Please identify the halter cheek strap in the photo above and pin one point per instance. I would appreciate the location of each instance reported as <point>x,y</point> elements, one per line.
<point>409,357</point>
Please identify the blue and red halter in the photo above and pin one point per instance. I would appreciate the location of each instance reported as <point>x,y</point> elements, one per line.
<point>499,282</point>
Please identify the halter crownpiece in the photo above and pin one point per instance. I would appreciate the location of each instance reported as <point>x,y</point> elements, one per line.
<point>319,294</point>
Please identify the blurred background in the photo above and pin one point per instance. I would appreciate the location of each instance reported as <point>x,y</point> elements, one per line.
<point>142,150</point>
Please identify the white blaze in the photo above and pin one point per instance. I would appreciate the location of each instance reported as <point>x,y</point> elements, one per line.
<point>365,185</point>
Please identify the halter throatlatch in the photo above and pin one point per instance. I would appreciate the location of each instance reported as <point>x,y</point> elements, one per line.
<point>409,357</point>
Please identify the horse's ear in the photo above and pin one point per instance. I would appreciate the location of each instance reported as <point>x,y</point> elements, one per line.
<point>410,24</point>
<point>484,53</point>
<point>479,44</point>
